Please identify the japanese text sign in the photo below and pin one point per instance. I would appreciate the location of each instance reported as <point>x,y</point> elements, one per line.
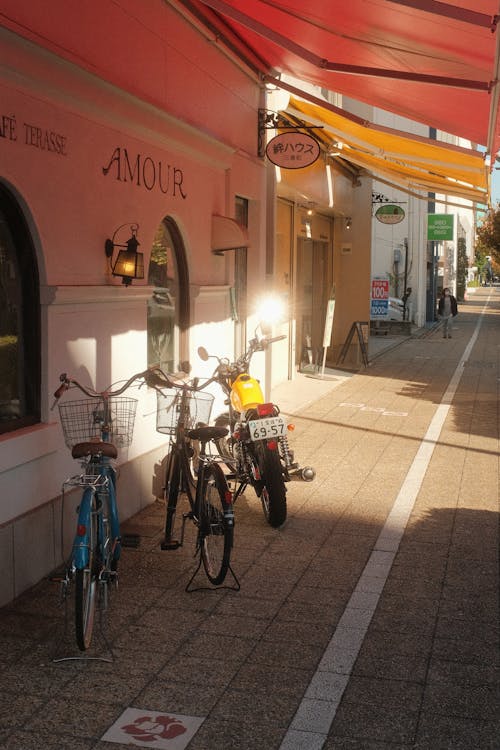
<point>293,150</point>
<point>380,298</point>
<point>380,289</point>
<point>440,227</point>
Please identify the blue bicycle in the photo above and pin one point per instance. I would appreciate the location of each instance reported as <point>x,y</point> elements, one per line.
<point>94,428</point>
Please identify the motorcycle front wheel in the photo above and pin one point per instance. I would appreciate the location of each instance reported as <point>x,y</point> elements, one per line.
<point>271,485</point>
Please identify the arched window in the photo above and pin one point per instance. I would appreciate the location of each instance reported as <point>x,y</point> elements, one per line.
<point>19,319</point>
<point>168,308</point>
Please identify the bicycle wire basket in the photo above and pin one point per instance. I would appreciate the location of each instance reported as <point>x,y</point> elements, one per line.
<point>168,409</point>
<point>83,420</point>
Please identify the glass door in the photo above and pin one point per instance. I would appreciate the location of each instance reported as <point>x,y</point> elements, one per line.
<point>312,294</point>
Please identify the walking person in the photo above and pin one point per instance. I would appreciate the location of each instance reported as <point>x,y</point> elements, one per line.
<point>447,310</point>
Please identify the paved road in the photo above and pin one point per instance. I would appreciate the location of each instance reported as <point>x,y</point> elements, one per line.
<point>369,622</point>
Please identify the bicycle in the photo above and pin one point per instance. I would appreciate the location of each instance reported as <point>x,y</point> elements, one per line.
<point>183,411</point>
<point>93,429</point>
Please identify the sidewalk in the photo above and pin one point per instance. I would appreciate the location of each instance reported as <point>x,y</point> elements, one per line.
<point>294,395</point>
<point>368,622</point>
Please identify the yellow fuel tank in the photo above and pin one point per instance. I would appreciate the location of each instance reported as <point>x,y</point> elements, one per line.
<point>246,393</point>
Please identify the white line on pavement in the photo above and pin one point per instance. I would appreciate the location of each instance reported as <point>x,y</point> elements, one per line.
<point>315,714</point>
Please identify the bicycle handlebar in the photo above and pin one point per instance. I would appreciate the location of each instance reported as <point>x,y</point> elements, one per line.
<point>67,382</point>
<point>158,379</point>
<point>272,339</point>
<point>228,370</point>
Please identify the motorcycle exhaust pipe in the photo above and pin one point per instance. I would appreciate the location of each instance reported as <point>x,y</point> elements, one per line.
<point>306,474</point>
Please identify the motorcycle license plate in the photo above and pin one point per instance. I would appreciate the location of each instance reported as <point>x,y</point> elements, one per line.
<point>266,429</point>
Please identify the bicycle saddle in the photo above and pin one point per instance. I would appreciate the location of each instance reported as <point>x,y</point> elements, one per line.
<point>204,434</point>
<point>93,449</point>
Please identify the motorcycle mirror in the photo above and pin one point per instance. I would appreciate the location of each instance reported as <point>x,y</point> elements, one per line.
<point>202,353</point>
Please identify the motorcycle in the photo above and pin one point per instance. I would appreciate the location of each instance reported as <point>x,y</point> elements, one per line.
<point>256,450</point>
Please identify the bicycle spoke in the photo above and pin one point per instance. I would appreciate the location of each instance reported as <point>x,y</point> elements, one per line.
<point>216,533</point>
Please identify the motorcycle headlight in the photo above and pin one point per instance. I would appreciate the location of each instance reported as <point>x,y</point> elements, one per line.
<point>270,310</point>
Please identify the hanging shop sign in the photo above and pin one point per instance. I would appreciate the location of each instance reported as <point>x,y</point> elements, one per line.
<point>440,227</point>
<point>389,214</point>
<point>293,150</point>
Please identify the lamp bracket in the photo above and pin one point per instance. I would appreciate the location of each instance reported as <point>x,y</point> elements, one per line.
<point>381,198</point>
<point>109,246</point>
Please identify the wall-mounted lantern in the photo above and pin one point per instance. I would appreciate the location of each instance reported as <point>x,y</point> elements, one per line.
<point>129,264</point>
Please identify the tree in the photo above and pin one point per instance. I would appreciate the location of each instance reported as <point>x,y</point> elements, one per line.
<point>481,262</point>
<point>488,236</point>
<point>462,265</point>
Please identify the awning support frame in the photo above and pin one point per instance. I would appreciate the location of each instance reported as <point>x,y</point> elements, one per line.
<point>269,120</point>
<point>473,17</point>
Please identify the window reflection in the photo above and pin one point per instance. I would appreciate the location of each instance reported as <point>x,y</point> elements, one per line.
<point>162,329</point>
<point>10,313</point>
<point>19,320</point>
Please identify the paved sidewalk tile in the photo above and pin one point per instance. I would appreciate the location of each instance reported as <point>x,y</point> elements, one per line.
<point>369,621</point>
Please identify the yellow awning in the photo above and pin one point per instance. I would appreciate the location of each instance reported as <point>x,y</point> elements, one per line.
<point>414,163</point>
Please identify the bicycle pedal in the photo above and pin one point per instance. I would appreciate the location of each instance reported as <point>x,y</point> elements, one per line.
<point>109,576</point>
<point>170,544</point>
<point>130,540</point>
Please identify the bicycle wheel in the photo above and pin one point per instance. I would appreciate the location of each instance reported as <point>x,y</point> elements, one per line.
<point>216,531</point>
<point>86,587</point>
<point>192,454</point>
<point>111,526</point>
<point>172,479</point>
<point>171,495</point>
<point>272,485</point>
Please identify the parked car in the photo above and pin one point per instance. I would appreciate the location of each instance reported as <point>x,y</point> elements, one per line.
<point>396,307</point>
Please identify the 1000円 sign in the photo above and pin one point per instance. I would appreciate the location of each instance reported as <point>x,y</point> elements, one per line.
<point>293,150</point>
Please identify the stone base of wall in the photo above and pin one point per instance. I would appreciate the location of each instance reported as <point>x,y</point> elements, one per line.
<point>390,327</point>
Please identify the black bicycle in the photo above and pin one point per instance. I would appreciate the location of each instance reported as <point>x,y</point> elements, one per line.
<point>183,411</point>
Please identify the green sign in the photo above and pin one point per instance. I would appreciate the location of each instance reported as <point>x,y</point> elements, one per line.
<point>388,214</point>
<point>440,227</point>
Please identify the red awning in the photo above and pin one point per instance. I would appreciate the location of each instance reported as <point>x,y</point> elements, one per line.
<point>433,61</point>
<point>227,234</point>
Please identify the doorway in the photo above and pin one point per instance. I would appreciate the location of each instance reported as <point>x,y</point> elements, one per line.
<point>312,290</point>
<point>240,280</point>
